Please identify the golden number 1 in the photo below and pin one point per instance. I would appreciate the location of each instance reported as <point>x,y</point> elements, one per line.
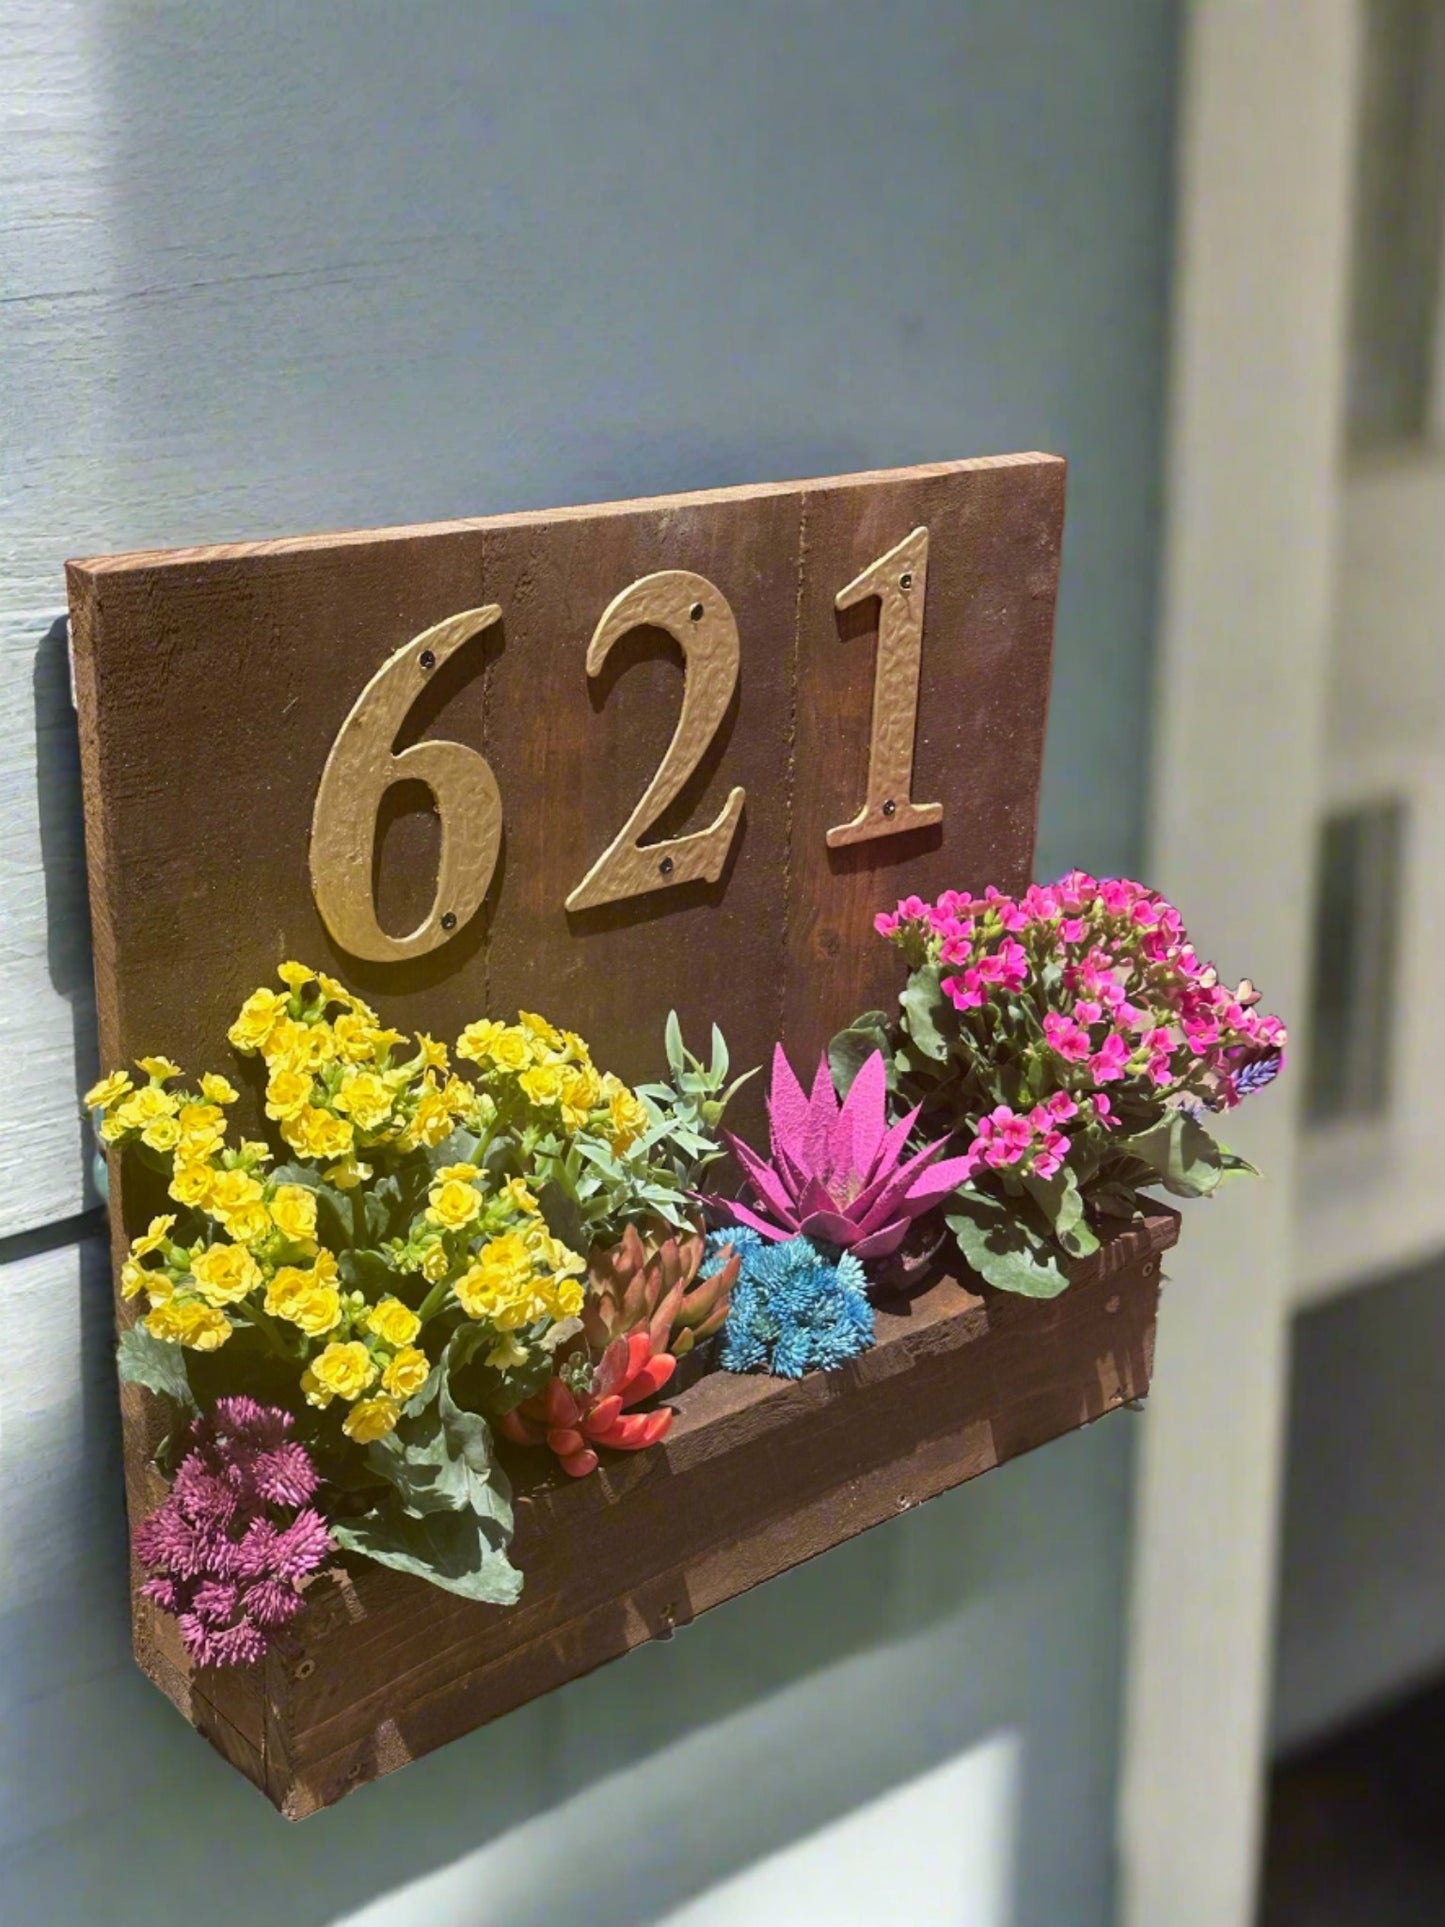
<point>695,613</point>
<point>898,579</point>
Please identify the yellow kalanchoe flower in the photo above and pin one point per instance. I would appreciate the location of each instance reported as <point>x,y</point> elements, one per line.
<point>317,1134</point>
<point>108,1091</point>
<point>158,1067</point>
<point>372,1419</point>
<point>500,1284</point>
<point>293,1210</point>
<point>225,1274</point>
<point>355,1036</point>
<point>232,1192</point>
<point>144,1106</point>
<point>543,1083</point>
<point>162,1135</point>
<point>365,1099</point>
<point>250,1224</point>
<point>257,1018</point>
<point>347,1174</point>
<point>191,1183</point>
<point>337,993</point>
<point>521,1197</point>
<point>434,1056</point>
<point>300,1047</point>
<point>218,1090</point>
<point>453,1204</point>
<point>406,1373</point>
<point>189,1322</point>
<point>344,1370</point>
<point>295,975</point>
<point>541,1035</point>
<point>506,1355</point>
<point>154,1236</point>
<point>303,1298</point>
<point>288,1092</point>
<point>393,1322</point>
<point>134,1278</point>
<point>202,1130</point>
<point>477,1039</point>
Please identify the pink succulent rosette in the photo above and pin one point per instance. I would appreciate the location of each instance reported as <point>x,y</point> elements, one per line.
<point>839,1172</point>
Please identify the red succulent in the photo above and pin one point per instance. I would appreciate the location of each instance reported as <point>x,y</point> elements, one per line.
<point>573,1418</point>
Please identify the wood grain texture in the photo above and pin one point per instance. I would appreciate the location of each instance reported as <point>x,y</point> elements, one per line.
<point>756,1475</point>
<point>993,562</point>
<point>212,685</point>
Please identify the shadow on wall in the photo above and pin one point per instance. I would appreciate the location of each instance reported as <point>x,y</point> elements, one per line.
<point>624,1795</point>
<point>62,853</point>
<point>616,1799</point>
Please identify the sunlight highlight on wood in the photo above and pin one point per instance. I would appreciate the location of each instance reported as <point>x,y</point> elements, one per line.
<point>361,768</point>
<point>899,580</point>
<point>695,613</point>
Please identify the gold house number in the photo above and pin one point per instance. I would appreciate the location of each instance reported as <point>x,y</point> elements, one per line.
<point>364,763</point>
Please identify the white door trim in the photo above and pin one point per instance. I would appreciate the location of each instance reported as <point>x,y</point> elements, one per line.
<point>1265,155</point>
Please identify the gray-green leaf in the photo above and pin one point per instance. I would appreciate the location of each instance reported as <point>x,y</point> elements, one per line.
<point>462,1552</point>
<point>1182,1153</point>
<point>850,1049</point>
<point>159,1366</point>
<point>1003,1249</point>
<point>923,1002</point>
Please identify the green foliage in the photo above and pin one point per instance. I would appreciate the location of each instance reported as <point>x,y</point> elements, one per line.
<point>447,1516</point>
<point>143,1360</point>
<point>1004,1246</point>
<point>592,1191</point>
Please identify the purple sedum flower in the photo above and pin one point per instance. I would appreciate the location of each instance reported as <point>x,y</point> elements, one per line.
<point>223,1555</point>
<point>838,1172</point>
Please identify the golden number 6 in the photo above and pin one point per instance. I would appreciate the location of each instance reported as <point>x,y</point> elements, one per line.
<point>361,768</point>
<point>696,615</point>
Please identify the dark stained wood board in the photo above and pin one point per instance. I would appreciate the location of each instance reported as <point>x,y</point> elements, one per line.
<point>757,1475</point>
<point>211,684</point>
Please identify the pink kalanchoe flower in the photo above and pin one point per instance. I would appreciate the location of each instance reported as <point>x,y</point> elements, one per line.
<point>1110,1061</point>
<point>221,1554</point>
<point>1069,1039</point>
<point>839,1173</point>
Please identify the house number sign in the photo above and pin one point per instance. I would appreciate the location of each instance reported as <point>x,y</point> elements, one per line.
<point>363,763</point>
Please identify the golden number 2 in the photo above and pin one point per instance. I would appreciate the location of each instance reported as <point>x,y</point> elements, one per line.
<point>696,615</point>
<point>361,768</point>
<point>898,579</point>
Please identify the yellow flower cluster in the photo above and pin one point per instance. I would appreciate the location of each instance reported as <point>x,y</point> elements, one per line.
<point>384,1355</point>
<point>349,1096</point>
<point>553,1072</point>
<point>331,1086</point>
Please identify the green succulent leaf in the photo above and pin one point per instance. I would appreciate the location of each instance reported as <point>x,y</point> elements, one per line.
<point>448,1515</point>
<point>923,1004</point>
<point>462,1552</point>
<point>160,1367</point>
<point>850,1049</point>
<point>1059,1199</point>
<point>1183,1156</point>
<point>1003,1247</point>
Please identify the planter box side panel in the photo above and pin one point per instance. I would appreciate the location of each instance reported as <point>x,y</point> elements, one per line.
<point>756,1477</point>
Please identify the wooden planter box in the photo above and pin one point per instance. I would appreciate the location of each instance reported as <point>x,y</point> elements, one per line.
<point>757,1475</point>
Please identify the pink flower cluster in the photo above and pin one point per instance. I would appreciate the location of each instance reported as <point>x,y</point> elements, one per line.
<point>1117,991</point>
<point>222,1555</point>
<point>1030,1142</point>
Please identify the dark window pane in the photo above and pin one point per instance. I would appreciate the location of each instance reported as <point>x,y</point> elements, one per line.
<point>1356,908</point>
<point>1399,212</point>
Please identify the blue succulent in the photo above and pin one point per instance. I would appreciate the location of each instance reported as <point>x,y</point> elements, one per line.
<point>797,1306</point>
